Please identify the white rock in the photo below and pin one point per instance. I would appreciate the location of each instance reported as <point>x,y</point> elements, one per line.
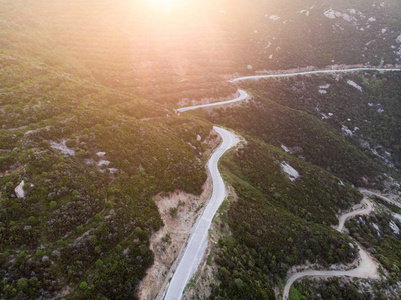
<point>397,216</point>
<point>112,170</point>
<point>285,149</point>
<point>394,227</point>
<point>398,39</point>
<point>304,11</point>
<point>384,30</point>
<point>380,110</point>
<point>372,19</point>
<point>332,14</point>
<point>377,228</point>
<point>198,138</point>
<point>351,83</point>
<point>103,162</point>
<point>19,190</point>
<point>249,67</point>
<point>347,17</point>
<point>290,171</point>
<point>322,91</point>
<point>274,17</point>
<point>101,154</point>
<point>345,130</point>
<point>62,147</point>
<point>326,86</point>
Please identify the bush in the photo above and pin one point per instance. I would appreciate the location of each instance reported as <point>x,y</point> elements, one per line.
<point>31,220</point>
<point>99,263</point>
<point>83,285</point>
<point>98,217</point>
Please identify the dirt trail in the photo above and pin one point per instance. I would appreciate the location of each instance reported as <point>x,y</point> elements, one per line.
<point>345,217</point>
<point>378,194</point>
<point>366,269</point>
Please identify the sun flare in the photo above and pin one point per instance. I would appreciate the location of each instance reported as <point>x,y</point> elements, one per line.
<point>164,4</point>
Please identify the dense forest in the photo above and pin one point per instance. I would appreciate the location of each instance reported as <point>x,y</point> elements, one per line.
<point>365,106</point>
<point>272,211</point>
<point>89,134</point>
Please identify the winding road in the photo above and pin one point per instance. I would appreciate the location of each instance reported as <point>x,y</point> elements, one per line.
<point>311,73</point>
<point>392,201</point>
<point>196,245</point>
<point>366,269</point>
<point>197,242</point>
<point>242,96</point>
<point>352,214</point>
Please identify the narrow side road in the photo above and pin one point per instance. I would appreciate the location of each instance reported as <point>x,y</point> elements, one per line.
<point>389,200</point>
<point>242,96</point>
<point>196,246</point>
<point>366,269</point>
<point>364,211</point>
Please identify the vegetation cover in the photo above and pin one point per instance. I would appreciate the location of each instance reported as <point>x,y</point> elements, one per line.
<point>89,132</point>
<point>272,211</point>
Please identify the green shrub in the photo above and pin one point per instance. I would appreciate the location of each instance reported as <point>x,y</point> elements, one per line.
<point>83,285</point>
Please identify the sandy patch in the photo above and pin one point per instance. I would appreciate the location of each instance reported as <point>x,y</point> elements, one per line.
<point>178,211</point>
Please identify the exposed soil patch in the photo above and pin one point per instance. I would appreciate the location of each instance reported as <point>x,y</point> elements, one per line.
<point>178,211</point>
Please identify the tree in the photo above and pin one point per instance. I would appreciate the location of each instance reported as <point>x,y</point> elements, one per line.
<point>138,230</point>
<point>52,204</point>
<point>22,284</point>
<point>83,285</point>
<point>99,263</point>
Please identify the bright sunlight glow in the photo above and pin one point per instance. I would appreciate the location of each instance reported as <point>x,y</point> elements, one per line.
<point>164,4</point>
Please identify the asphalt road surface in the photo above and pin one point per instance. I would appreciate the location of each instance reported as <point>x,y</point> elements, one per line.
<point>242,96</point>
<point>197,242</point>
<point>311,73</point>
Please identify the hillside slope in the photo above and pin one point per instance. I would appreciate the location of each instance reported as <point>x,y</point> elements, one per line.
<point>89,134</point>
